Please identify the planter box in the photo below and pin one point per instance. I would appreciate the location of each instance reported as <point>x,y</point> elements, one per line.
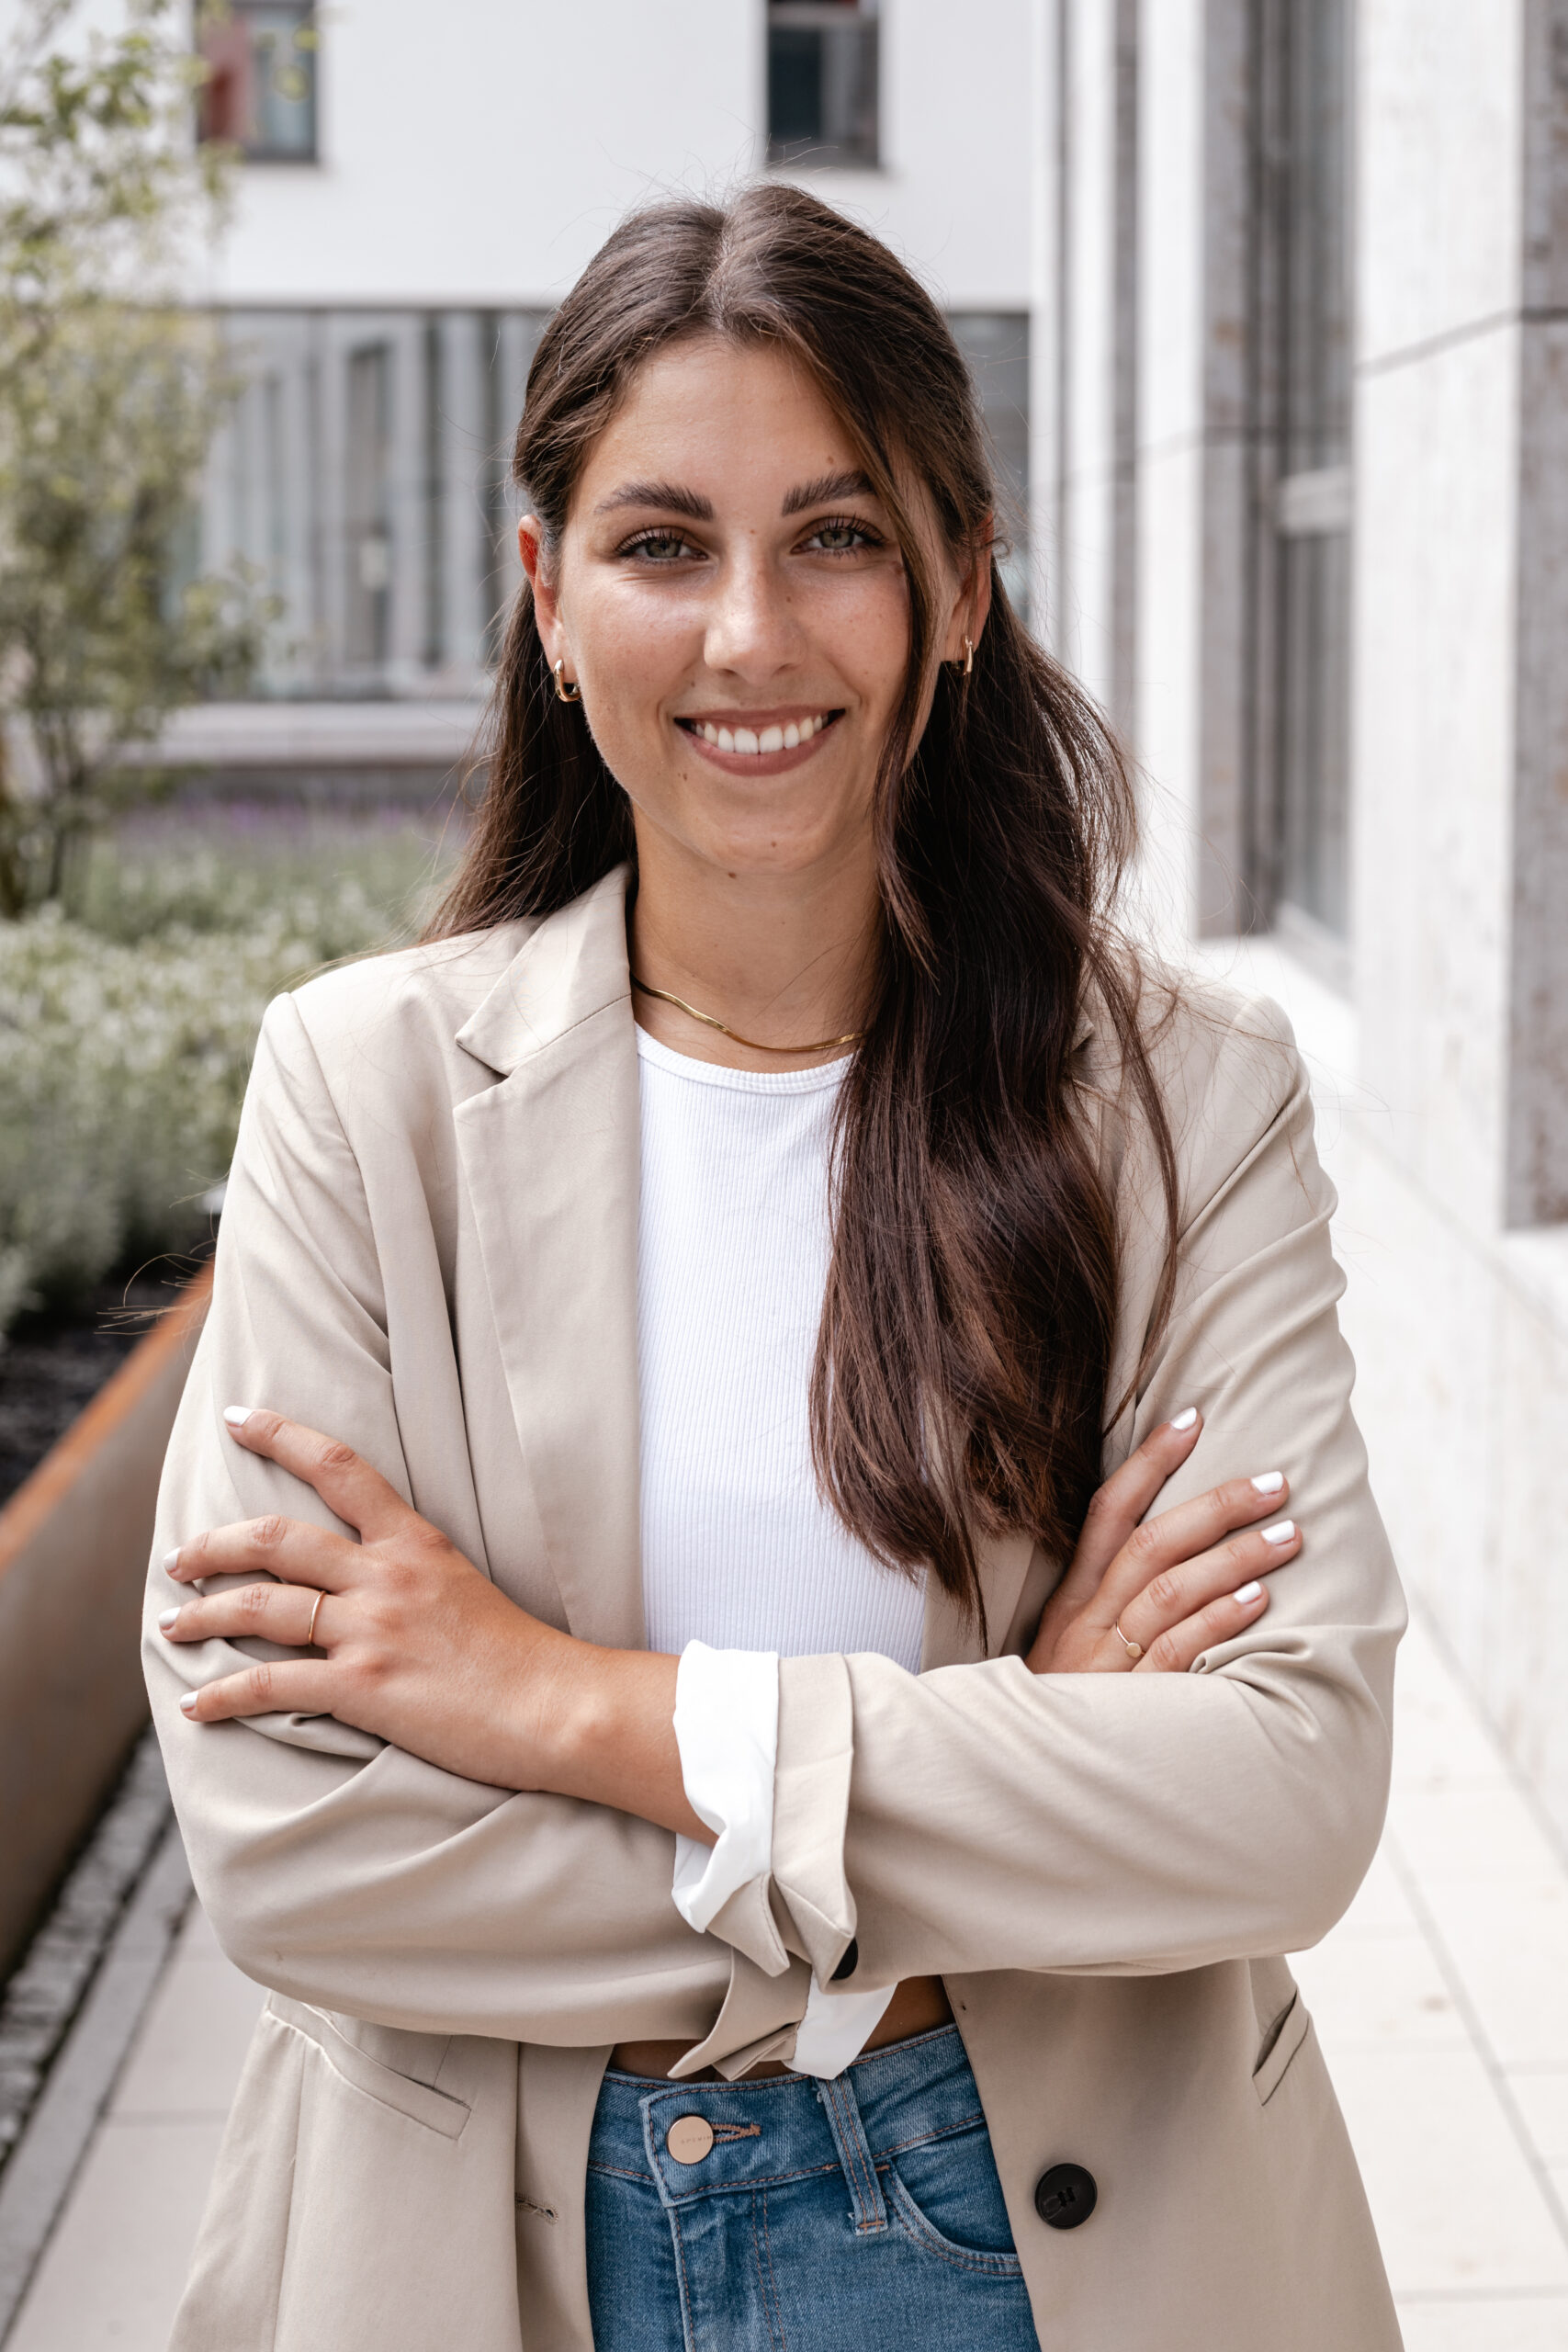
<point>73,1543</point>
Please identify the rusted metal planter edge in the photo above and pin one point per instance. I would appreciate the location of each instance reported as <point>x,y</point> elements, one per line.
<point>74,1545</point>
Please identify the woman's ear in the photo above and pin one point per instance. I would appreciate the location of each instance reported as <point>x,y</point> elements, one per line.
<point>971,605</point>
<point>547,601</point>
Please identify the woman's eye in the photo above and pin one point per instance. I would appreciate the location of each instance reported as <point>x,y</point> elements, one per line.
<point>842,539</point>
<point>659,546</point>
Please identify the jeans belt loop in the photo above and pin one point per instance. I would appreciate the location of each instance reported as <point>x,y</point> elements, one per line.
<point>843,2108</point>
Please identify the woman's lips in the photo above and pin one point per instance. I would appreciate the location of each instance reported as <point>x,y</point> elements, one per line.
<point>760,746</point>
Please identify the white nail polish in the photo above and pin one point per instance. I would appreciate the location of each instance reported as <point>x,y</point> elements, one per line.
<point>187,1704</point>
<point>1247,1592</point>
<point>237,1415</point>
<point>1270,1482</point>
<point>169,1560</point>
<point>165,1619</point>
<point>1184,1420</point>
<point>1280,1532</point>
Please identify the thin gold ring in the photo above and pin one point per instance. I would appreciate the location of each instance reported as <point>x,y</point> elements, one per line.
<point>1133,1649</point>
<point>311,1637</point>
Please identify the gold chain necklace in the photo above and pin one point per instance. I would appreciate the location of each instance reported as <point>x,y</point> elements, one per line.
<point>723,1029</point>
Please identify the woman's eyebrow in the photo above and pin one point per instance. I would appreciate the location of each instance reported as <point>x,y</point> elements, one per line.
<point>667,495</point>
<point>674,498</point>
<point>825,490</point>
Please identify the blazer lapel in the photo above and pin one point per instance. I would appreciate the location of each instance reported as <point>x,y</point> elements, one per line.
<point>550,1157</point>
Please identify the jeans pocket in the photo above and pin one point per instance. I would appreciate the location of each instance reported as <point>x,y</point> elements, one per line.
<point>945,2195</point>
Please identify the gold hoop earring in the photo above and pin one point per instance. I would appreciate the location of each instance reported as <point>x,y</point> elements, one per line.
<point>565,689</point>
<point>967,665</point>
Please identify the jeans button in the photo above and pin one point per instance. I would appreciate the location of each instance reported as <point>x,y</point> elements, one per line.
<point>1066,2196</point>
<point>689,2138</point>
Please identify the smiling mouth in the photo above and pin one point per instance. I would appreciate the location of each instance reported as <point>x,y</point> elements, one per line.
<point>759,742</point>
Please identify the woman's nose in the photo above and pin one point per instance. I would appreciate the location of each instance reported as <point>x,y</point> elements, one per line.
<point>752,628</point>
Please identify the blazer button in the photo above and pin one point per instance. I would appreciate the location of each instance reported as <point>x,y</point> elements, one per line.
<point>1066,2196</point>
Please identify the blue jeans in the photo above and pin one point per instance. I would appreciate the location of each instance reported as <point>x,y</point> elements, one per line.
<point>862,2213</point>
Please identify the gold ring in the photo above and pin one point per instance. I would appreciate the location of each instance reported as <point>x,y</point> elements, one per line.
<point>1133,1649</point>
<point>315,1612</point>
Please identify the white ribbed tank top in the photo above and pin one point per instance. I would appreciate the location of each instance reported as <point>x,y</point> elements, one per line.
<point>738,1549</point>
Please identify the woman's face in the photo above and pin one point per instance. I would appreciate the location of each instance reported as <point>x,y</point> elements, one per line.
<point>729,596</point>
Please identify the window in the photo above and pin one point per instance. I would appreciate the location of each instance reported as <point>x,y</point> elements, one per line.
<point>368,486</point>
<point>260,89</point>
<point>822,82</point>
<point>1312,507</point>
<point>362,471</point>
<point>996,345</point>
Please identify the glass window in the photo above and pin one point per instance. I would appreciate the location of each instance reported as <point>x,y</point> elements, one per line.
<point>260,89</point>
<point>822,82</point>
<point>1311,517</point>
<point>367,503</point>
<point>996,345</point>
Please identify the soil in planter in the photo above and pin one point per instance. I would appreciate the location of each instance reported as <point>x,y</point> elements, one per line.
<point>53,1365</point>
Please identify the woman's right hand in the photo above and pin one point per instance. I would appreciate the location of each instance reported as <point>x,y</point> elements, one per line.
<point>1174,1584</point>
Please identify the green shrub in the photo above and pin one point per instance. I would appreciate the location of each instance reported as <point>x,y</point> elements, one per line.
<point>126,1039</point>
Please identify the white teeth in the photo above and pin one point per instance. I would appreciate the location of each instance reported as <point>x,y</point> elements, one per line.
<point>770,739</point>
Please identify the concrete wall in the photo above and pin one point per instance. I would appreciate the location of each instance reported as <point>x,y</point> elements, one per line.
<point>1459,1174</point>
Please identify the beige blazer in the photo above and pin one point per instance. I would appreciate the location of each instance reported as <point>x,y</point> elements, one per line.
<point>429,1249</point>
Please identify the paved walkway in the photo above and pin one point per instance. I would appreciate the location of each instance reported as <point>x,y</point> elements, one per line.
<point>1440,2001</point>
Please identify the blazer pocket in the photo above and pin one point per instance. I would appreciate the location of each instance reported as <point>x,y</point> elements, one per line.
<point>436,2110</point>
<point>1280,2044</point>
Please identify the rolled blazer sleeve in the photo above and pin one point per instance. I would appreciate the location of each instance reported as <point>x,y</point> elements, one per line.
<point>335,1868</point>
<point>979,1816</point>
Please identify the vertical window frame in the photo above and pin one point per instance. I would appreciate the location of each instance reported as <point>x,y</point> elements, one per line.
<point>1302,818</point>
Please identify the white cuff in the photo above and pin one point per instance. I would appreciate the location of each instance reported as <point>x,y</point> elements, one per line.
<point>726,1728</point>
<point>836,2029</point>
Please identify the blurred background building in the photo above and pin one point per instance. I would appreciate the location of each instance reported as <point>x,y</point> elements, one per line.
<point>416,199</point>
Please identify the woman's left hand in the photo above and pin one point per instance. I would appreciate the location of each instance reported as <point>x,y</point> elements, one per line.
<point>420,1648</point>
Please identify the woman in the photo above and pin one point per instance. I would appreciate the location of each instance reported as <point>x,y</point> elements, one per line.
<point>668,1334</point>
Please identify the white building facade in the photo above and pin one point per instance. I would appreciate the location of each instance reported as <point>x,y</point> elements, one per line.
<point>1300,373</point>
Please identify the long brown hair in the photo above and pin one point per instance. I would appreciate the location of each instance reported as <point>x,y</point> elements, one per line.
<point>964,1351</point>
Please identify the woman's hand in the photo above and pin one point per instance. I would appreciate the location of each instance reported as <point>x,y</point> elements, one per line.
<point>407,1640</point>
<point>1174,1584</point>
